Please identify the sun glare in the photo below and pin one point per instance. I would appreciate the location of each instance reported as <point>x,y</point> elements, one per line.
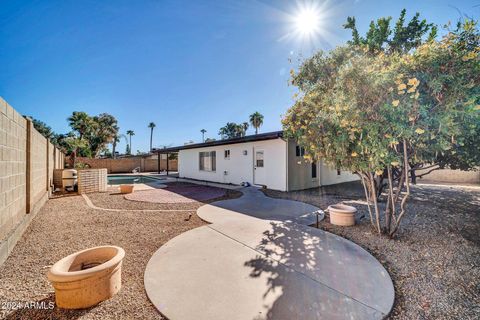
<point>307,21</point>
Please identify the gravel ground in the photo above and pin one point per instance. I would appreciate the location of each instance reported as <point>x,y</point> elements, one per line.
<point>434,261</point>
<point>65,225</point>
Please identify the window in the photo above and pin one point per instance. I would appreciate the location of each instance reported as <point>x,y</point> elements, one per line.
<point>207,161</point>
<point>259,159</point>
<point>299,151</point>
<point>226,154</point>
<point>314,169</point>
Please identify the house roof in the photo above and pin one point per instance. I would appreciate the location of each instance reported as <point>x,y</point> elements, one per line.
<point>250,138</point>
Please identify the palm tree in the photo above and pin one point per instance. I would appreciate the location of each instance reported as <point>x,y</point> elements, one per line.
<point>151,125</point>
<point>222,132</point>
<point>75,144</point>
<point>80,122</point>
<point>116,139</point>
<point>130,133</point>
<point>245,128</point>
<point>203,134</point>
<point>256,120</point>
<point>231,130</point>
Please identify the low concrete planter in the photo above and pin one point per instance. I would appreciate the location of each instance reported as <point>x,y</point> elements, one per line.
<point>342,215</point>
<point>126,188</point>
<point>87,277</point>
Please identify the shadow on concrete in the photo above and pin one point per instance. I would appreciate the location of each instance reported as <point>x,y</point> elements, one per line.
<point>292,258</point>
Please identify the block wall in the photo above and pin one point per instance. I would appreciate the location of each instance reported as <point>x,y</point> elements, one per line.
<point>38,167</point>
<point>13,141</point>
<point>26,168</point>
<point>126,165</point>
<point>92,180</point>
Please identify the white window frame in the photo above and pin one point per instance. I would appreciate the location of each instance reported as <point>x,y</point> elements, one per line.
<point>299,151</point>
<point>207,161</point>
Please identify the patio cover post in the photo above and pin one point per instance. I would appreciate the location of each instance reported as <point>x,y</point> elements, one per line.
<point>167,163</point>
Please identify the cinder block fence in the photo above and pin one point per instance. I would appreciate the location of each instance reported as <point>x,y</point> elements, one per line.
<point>27,161</point>
<point>126,165</point>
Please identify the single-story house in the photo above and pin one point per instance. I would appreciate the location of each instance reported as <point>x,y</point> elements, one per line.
<point>266,159</point>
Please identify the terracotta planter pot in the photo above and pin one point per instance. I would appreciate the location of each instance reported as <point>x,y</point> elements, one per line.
<point>342,215</point>
<point>87,277</point>
<point>126,188</point>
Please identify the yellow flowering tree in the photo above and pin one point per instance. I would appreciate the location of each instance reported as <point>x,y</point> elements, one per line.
<point>382,114</point>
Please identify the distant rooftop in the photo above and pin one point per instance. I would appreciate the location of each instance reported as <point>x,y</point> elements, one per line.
<point>250,138</point>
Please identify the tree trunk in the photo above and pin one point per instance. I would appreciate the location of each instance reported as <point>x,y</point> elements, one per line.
<point>407,194</point>
<point>367,197</point>
<point>74,154</point>
<point>390,209</point>
<point>375,203</point>
<point>151,138</point>
<point>413,176</point>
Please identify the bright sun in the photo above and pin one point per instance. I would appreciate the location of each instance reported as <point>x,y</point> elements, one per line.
<point>307,21</point>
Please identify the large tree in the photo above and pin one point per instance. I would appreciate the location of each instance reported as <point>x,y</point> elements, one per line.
<point>381,112</point>
<point>103,131</point>
<point>403,37</point>
<point>96,131</point>
<point>232,130</point>
<point>80,122</point>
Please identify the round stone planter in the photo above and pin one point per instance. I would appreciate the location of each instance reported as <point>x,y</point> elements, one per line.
<point>126,188</point>
<point>87,277</point>
<point>342,215</point>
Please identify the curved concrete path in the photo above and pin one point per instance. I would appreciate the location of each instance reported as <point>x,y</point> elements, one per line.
<point>256,204</point>
<point>244,267</point>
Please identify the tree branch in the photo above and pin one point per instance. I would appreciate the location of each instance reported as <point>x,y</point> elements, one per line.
<point>424,174</point>
<point>407,184</point>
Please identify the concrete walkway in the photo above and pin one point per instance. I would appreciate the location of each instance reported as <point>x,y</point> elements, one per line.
<point>256,204</point>
<point>244,267</point>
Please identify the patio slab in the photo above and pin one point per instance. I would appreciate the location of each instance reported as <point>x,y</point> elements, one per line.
<point>244,267</point>
<point>177,194</point>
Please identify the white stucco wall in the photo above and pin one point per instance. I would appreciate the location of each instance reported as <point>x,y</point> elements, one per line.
<point>329,175</point>
<point>239,167</point>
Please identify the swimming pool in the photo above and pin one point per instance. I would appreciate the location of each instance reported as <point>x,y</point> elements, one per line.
<point>115,180</point>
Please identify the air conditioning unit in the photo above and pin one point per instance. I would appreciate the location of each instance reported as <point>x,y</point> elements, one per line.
<point>69,177</point>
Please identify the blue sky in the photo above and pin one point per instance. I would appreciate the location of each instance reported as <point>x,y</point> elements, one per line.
<point>186,65</point>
